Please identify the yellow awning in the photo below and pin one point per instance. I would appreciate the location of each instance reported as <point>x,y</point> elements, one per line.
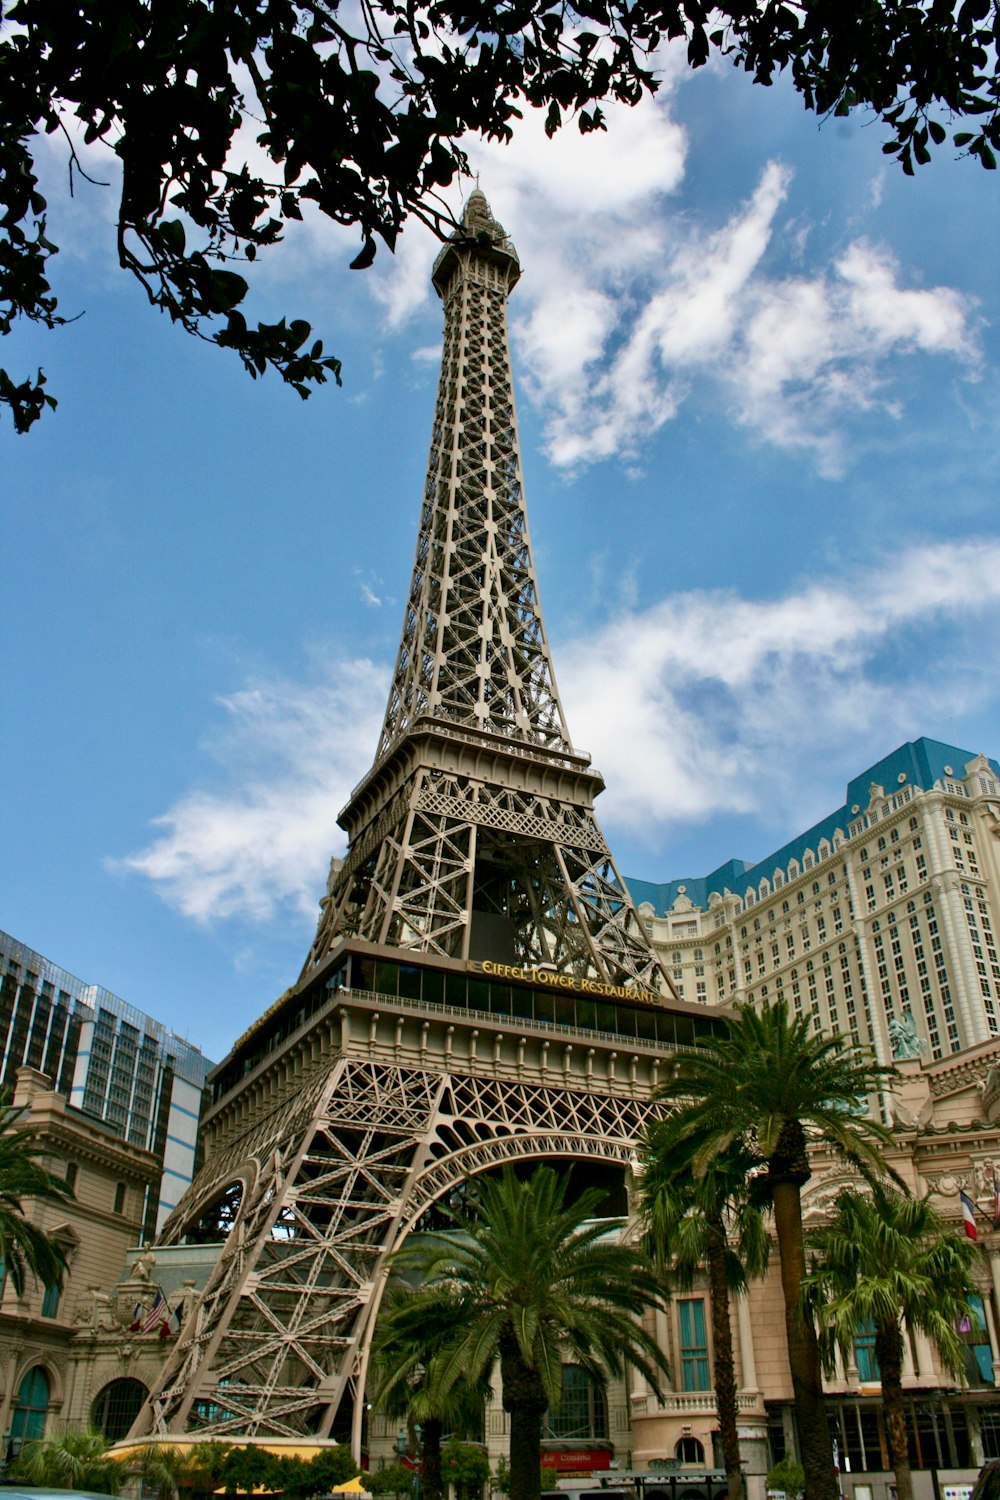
<point>352,1487</point>
<point>280,1447</point>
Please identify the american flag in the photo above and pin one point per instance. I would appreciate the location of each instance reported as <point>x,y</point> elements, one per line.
<point>156,1313</point>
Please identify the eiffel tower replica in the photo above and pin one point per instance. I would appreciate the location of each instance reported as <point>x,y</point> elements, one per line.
<point>480,989</point>
<point>473,835</point>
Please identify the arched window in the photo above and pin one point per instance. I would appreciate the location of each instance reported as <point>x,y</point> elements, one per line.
<point>690,1451</point>
<point>116,1407</point>
<point>31,1407</point>
<point>583,1407</point>
<point>217,1219</point>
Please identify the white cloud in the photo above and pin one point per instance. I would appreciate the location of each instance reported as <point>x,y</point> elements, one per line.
<point>581,210</point>
<point>792,358</point>
<point>627,305</point>
<point>705,704</point>
<point>691,707</point>
<point>290,754</point>
<point>812,351</point>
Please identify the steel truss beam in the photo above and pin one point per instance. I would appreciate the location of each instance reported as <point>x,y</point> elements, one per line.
<point>475,774</point>
<point>398,1113</point>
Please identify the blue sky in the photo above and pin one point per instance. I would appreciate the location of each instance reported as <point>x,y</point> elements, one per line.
<point>760,416</point>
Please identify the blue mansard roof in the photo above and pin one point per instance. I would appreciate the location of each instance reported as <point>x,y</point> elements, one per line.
<point>920,763</point>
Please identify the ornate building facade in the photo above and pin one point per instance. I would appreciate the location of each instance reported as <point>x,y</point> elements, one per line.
<point>108,1060</point>
<point>879,923</point>
<point>112,1097</point>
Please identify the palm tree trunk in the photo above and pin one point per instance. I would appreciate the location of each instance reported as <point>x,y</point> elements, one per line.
<point>525,1401</point>
<point>803,1348</point>
<point>725,1370</point>
<point>889,1353</point>
<point>431,1485</point>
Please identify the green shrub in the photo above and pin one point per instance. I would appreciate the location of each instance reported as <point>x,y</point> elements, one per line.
<point>788,1476</point>
<point>396,1479</point>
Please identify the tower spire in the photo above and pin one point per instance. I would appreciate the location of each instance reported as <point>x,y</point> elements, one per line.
<point>473,835</point>
<point>473,649</point>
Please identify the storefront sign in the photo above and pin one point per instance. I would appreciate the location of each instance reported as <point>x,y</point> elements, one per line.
<point>581,1461</point>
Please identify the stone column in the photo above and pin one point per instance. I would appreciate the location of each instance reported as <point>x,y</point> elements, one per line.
<point>993,1256</point>
<point>748,1362</point>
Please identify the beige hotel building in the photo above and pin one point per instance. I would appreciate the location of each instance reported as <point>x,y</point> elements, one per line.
<point>881,923</point>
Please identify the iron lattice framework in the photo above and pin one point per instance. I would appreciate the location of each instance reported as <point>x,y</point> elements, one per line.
<point>346,1110</point>
<point>332,1147</point>
<point>474,832</point>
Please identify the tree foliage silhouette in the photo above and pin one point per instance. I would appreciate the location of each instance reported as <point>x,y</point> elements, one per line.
<point>362,113</point>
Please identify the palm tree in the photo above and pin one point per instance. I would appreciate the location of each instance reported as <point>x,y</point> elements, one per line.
<point>411,1335</point>
<point>533,1278</point>
<point>162,1467</point>
<point>24,1247</point>
<point>886,1259</point>
<point>762,1083</point>
<point>74,1459</point>
<point>712,1220</point>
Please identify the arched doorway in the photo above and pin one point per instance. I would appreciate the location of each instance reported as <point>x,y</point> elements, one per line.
<point>31,1408</point>
<point>116,1407</point>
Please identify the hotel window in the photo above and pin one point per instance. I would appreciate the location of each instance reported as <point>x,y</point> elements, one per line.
<point>864,1352</point>
<point>693,1345</point>
<point>583,1407</point>
<point>30,1409</point>
<point>50,1302</point>
<point>978,1355</point>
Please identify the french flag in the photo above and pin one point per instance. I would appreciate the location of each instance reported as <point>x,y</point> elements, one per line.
<point>969,1217</point>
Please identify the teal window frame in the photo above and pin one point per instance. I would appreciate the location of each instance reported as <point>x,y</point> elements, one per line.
<point>692,1327</point>
<point>31,1408</point>
<point>864,1353</point>
<point>975,1335</point>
